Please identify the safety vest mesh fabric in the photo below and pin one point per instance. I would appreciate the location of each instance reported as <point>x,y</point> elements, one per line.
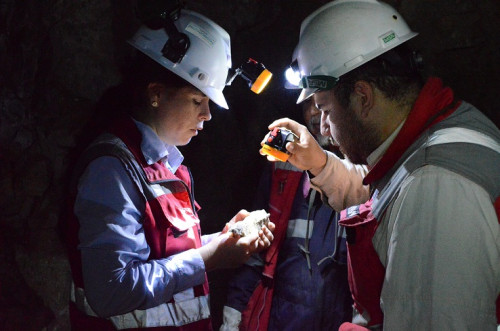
<point>447,144</point>
<point>166,195</point>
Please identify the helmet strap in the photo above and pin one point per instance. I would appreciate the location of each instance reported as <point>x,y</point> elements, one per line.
<point>321,82</point>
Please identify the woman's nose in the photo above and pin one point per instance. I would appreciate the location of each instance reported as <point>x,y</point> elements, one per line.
<point>205,114</point>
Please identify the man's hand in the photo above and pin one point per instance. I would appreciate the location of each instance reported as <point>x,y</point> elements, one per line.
<point>229,251</point>
<point>306,154</point>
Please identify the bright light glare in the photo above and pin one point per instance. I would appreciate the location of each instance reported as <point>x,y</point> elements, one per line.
<point>292,76</point>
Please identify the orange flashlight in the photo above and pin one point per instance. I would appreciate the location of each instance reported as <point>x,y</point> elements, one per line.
<point>275,143</point>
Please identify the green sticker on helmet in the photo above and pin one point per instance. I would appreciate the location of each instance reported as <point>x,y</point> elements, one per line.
<point>389,37</point>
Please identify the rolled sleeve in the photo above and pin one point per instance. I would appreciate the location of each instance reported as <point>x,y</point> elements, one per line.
<point>341,182</point>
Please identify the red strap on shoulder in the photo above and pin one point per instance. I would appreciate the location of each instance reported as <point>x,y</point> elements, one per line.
<point>257,313</point>
<point>284,185</point>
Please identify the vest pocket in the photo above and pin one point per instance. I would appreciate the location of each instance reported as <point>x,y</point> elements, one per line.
<point>177,208</point>
<point>366,272</point>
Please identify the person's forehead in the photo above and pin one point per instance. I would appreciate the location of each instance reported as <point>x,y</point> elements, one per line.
<point>190,89</point>
<point>322,99</point>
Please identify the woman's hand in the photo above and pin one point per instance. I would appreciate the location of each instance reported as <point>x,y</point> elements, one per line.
<point>228,250</point>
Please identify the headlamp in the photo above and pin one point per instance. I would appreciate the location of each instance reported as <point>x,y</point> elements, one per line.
<point>254,73</point>
<point>293,75</point>
<point>295,80</point>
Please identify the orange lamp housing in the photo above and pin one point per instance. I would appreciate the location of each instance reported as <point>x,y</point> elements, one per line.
<point>275,143</point>
<point>254,73</point>
<point>261,81</point>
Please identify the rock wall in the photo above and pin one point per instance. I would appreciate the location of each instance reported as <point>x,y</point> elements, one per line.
<point>57,57</point>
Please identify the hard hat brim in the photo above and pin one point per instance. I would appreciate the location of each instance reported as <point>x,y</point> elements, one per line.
<point>216,96</point>
<point>306,93</point>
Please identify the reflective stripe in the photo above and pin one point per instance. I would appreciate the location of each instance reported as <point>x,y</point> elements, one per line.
<point>184,295</point>
<point>166,314</point>
<point>231,319</point>
<point>297,228</point>
<point>159,190</point>
<point>462,135</point>
<point>286,166</point>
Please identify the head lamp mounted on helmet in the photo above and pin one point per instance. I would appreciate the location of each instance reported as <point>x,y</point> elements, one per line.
<point>342,35</point>
<point>254,73</point>
<point>295,80</point>
<point>193,47</point>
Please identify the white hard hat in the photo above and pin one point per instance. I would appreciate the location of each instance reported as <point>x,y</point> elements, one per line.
<point>342,35</point>
<point>205,63</point>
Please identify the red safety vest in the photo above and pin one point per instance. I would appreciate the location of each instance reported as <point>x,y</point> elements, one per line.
<point>366,272</point>
<point>172,212</point>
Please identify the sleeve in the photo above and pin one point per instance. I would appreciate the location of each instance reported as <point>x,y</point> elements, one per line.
<point>442,255</point>
<point>206,238</point>
<point>117,274</point>
<point>341,183</point>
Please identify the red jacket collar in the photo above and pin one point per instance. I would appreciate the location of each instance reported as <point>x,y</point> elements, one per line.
<point>434,103</point>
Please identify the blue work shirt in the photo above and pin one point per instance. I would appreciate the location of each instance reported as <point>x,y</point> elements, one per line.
<point>117,274</point>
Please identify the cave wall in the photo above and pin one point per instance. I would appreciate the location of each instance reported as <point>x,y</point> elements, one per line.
<point>58,57</point>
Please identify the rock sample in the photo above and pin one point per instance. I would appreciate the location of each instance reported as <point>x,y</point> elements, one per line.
<point>251,225</point>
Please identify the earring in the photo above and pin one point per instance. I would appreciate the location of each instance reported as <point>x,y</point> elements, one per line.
<point>154,104</point>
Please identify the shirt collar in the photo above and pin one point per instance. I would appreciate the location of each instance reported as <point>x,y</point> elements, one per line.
<point>376,155</point>
<point>154,149</point>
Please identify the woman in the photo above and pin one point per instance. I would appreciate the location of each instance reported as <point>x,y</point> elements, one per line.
<point>137,255</point>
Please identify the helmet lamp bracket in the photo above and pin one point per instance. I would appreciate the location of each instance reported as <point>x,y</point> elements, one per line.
<point>177,44</point>
<point>157,14</point>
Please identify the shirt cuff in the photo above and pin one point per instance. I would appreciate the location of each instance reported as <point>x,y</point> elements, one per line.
<point>190,268</point>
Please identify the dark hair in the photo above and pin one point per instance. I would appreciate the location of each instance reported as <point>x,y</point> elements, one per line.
<point>144,70</point>
<point>395,73</point>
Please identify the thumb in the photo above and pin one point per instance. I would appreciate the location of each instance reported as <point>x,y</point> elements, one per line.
<point>294,147</point>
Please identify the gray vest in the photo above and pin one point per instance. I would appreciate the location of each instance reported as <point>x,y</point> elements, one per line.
<point>466,142</point>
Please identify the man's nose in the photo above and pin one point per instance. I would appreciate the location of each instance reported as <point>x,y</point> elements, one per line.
<point>325,125</point>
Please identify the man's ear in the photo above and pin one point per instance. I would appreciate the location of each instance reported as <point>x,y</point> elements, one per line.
<point>365,94</point>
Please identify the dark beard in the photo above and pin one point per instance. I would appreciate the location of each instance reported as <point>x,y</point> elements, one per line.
<point>356,140</point>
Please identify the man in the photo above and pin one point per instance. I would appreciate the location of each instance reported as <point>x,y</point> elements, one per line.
<point>303,281</point>
<point>424,251</point>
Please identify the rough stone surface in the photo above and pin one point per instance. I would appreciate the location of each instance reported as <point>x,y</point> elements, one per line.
<point>57,57</point>
<point>252,224</point>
